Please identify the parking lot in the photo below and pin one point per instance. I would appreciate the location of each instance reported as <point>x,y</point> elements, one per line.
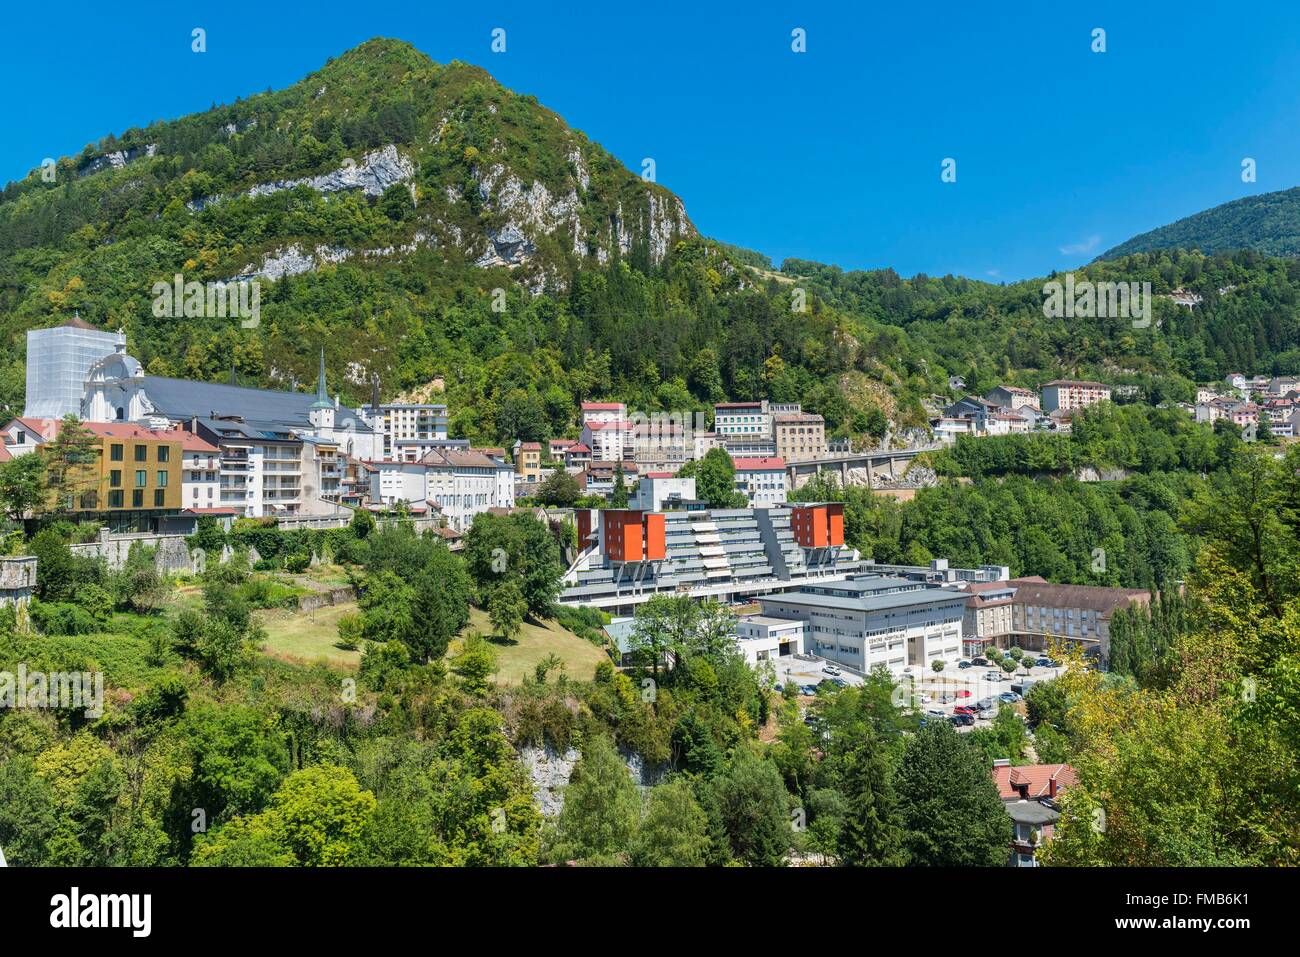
<point>930,691</point>
<point>945,690</point>
<point>803,672</point>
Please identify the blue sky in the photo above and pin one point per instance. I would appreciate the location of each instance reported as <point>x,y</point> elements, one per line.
<point>834,154</point>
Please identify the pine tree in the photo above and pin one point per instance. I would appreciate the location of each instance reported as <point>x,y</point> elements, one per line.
<point>618,497</point>
<point>951,810</point>
<point>872,834</point>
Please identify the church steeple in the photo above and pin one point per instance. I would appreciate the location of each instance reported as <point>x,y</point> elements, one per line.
<point>322,393</point>
<point>321,412</point>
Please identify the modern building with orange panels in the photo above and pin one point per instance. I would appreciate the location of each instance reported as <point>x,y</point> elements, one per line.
<point>628,555</point>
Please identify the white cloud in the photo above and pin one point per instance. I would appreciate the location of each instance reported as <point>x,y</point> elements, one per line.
<point>1087,246</point>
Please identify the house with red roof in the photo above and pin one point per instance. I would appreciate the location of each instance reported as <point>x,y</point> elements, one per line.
<point>1030,792</point>
<point>762,480</point>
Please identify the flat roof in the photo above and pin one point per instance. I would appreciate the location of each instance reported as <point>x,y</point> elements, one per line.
<point>770,621</point>
<point>917,598</point>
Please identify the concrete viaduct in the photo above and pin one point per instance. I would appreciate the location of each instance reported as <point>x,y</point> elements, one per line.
<point>857,468</point>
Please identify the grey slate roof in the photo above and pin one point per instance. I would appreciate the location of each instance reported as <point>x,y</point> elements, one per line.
<point>867,600</point>
<point>264,408</point>
<point>1031,812</point>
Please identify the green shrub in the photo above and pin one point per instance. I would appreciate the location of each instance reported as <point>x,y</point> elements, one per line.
<point>350,627</point>
<point>63,618</point>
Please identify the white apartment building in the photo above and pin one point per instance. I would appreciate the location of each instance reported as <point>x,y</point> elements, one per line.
<point>875,620</point>
<point>1004,423</point>
<point>464,483</point>
<point>742,420</point>
<point>763,480</point>
<point>200,473</point>
<point>603,412</point>
<point>946,429</point>
<point>392,483</point>
<point>1063,395</point>
<point>609,440</point>
<point>401,425</point>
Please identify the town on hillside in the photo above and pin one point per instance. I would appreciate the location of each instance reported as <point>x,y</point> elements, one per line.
<point>642,509</point>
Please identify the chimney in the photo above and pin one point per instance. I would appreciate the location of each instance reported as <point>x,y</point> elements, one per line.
<point>1051,784</point>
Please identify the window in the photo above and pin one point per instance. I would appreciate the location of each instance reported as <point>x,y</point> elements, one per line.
<point>141,478</point>
<point>115,478</point>
<point>115,499</point>
<point>158,495</point>
<point>137,498</point>
<point>142,453</point>
<point>115,453</point>
<point>162,480</point>
<point>164,453</point>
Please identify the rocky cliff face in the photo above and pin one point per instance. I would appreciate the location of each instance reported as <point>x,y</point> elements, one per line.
<point>550,771</point>
<point>116,159</point>
<point>495,179</point>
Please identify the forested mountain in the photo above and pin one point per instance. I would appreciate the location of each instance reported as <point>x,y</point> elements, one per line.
<point>421,222</point>
<point>1269,223</point>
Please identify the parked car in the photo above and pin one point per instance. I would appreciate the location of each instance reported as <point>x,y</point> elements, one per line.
<point>962,720</point>
<point>839,682</point>
<point>986,714</point>
<point>1010,697</point>
<point>963,663</point>
<point>963,709</point>
<point>935,712</point>
<point>985,704</point>
<point>980,662</point>
<point>993,676</point>
<point>1045,663</point>
<point>807,689</point>
<point>830,669</point>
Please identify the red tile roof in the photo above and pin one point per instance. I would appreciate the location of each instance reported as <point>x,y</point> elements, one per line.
<point>763,464</point>
<point>193,443</point>
<point>45,428</point>
<point>601,406</point>
<point>1037,776</point>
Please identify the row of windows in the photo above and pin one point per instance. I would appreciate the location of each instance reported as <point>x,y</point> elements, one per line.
<point>141,478</point>
<point>116,453</point>
<point>117,499</point>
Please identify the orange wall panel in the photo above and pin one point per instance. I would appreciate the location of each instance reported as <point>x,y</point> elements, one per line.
<point>835,513</point>
<point>656,543</point>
